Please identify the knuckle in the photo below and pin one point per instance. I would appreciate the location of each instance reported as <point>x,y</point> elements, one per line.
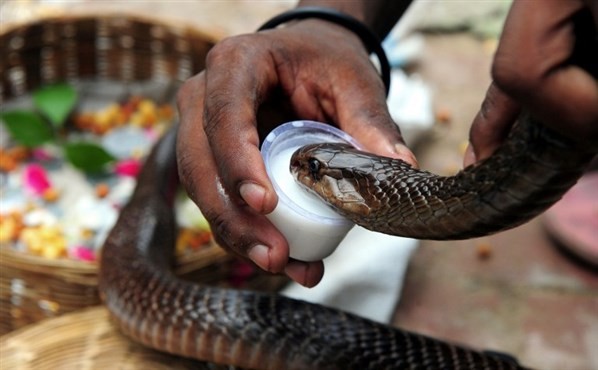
<point>488,105</point>
<point>216,112</point>
<point>183,94</point>
<point>221,50</point>
<point>230,50</point>
<point>516,76</point>
<point>188,91</point>
<point>227,231</point>
<point>188,168</point>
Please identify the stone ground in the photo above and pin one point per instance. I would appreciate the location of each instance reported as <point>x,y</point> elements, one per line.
<point>525,297</point>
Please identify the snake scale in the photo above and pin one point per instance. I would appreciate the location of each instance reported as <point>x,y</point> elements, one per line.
<point>532,169</point>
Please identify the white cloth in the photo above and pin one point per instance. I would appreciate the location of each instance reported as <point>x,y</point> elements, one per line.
<point>363,276</point>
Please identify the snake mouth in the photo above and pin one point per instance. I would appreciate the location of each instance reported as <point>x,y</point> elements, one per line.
<point>295,165</point>
<point>295,168</point>
<point>303,178</point>
<point>298,169</point>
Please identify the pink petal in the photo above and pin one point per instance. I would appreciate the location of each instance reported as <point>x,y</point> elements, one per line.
<point>128,167</point>
<point>83,253</point>
<point>152,134</point>
<point>241,272</point>
<point>41,154</point>
<point>35,179</point>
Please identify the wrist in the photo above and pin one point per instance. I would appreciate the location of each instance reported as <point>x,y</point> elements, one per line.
<point>354,9</point>
<point>321,28</point>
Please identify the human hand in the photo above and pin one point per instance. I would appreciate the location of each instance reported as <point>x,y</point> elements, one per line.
<point>532,70</point>
<point>311,69</point>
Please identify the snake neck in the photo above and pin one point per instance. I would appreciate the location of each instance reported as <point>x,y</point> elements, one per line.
<point>528,173</point>
<point>525,176</point>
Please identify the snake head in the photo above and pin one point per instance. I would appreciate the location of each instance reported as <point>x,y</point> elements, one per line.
<point>326,170</point>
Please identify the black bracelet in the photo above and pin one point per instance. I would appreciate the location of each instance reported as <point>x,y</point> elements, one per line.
<point>369,39</point>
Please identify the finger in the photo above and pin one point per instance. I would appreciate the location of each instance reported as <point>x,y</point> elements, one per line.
<point>593,5</point>
<point>363,112</point>
<point>532,64</point>
<point>358,104</point>
<point>237,80</point>
<point>369,121</point>
<point>491,125</point>
<point>307,274</point>
<point>235,225</point>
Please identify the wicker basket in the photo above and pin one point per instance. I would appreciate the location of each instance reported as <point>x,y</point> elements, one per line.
<point>84,340</point>
<point>122,55</point>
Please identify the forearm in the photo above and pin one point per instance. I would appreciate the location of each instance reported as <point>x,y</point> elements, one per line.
<point>378,15</point>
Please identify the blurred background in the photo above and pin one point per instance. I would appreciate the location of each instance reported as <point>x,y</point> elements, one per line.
<point>516,291</point>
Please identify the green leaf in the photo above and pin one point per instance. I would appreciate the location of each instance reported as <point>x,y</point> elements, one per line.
<point>27,128</point>
<point>56,102</point>
<point>88,157</point>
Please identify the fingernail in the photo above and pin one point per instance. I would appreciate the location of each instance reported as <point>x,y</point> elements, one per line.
<point>406,154</point>
<point>469,156</point>
<point>260,255</point>
<point>297,272</point>
<point>253,194</point>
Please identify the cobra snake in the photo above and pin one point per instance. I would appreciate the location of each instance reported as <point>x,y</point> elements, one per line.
<point>524,177</point>
<point>533,168</point>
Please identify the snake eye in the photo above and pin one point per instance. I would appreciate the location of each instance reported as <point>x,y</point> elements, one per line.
<point>314,166</point>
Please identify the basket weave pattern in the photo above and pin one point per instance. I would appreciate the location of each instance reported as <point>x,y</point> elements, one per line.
<point>107,48</point>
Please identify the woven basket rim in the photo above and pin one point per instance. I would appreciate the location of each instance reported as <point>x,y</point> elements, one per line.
<point>70,339</point>
<point>35,263</point>
<point>184,28</point>
<point>26,260</point>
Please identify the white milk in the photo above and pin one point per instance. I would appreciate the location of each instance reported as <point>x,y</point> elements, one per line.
<point>282,175</point>
<point>312,229</point>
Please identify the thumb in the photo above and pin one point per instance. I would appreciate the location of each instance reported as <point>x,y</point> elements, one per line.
<point>491,124</point>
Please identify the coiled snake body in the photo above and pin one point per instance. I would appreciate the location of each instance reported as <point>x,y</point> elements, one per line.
<point>255,330</point>
<point>527,174</point>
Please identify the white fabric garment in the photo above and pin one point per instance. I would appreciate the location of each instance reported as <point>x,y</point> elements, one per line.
<point>363,276</point>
